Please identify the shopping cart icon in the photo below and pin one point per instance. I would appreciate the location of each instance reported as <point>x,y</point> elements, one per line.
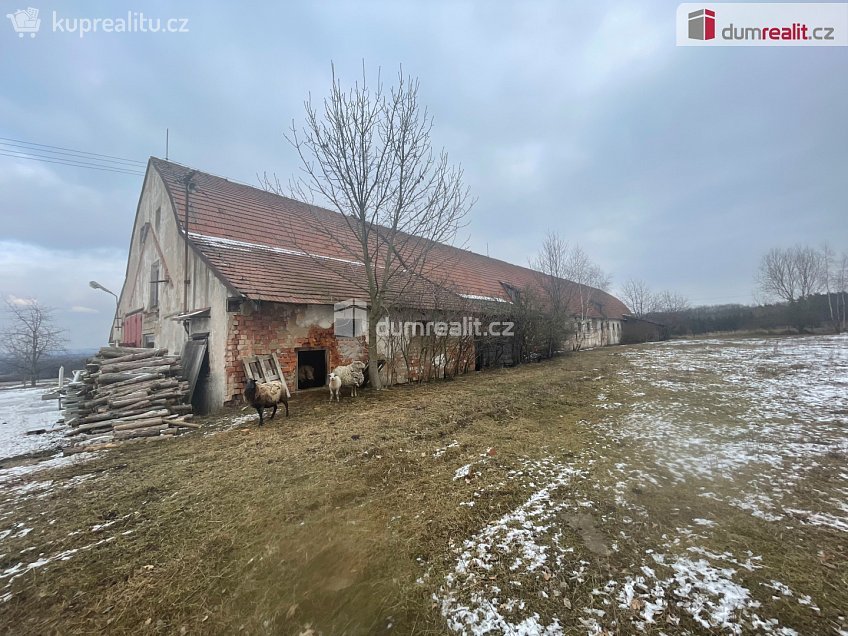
<point>25,21</point>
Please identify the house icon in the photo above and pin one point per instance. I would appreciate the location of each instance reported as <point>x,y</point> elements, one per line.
<point>702,24</point>
<point>25,21</point>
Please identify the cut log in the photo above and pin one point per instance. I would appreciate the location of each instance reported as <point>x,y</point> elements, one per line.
<point>89,427</point>
<point>73,450</point>
<point>94,438</point>
<point>154,421</point>
<point>150,431</point>
<point>88,419</point>
<point>120,367</point>
<point>117,352</point>
<point>184,424</point>
<point>127,400</point>
<point>131,357</point>
<point>142,377</point>
<point>169,395</point>
<point>109,378</point>
<point>145,415</point>
<point>141,403</point>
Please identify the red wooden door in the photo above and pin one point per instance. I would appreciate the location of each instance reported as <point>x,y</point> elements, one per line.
<point>132,331</point>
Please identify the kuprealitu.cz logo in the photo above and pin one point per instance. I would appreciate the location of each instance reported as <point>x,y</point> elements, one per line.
<point>28,22</point>
<point>25,22</point>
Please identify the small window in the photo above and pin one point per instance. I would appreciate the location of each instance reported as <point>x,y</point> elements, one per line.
<point>158,219</point>
<point>148,341</point>
<point>234,305</point>
<point>154,285</point>
<point>512,291</point>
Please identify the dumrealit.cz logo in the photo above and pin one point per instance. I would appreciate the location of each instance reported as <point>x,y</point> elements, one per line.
<point>763,24</point>
<point>702,24</point>
<point>27,22</point>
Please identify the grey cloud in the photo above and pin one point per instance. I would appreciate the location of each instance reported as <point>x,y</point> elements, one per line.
<point>677,165</point>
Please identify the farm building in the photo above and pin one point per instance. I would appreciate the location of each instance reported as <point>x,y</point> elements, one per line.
<point>635,329</point>
<point>248,282</point>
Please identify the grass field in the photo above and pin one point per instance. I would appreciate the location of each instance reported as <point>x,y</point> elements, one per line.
<point>684,487</point>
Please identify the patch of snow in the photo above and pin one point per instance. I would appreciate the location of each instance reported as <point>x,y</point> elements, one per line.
<point>441,451</point>
<point>22,410</point>
<point>462,472</point>
<point>467,599</point>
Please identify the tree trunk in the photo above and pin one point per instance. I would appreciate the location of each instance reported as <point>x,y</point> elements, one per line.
<point>373,352</point>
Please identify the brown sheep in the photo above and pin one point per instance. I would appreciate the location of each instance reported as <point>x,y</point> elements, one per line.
<point>266,395</point>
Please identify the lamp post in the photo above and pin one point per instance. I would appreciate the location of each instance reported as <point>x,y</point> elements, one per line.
<point>95,285</point>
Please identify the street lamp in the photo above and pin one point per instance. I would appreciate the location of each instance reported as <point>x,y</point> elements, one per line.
<point>95,285</point>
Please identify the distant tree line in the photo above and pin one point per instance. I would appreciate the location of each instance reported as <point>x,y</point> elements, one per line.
<point>799,278</point>
<point>798,289</point>
<point>813,313</point>
<point>48,367</point>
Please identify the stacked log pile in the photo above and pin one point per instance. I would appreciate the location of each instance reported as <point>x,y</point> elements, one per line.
<point>126,393</point>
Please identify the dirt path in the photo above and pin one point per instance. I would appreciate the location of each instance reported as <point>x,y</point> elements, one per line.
<point>674,488</point>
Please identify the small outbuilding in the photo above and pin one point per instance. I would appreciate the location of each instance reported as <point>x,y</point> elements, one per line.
<point>635,329</point>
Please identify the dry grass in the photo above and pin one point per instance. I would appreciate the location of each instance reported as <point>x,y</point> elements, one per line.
<point>328,518</point>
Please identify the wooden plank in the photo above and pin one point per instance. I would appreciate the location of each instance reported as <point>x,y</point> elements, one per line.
<point>246,361</point>
<point>280,375</point>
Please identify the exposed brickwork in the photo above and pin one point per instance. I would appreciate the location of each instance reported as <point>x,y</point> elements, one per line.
<point>274,329</point>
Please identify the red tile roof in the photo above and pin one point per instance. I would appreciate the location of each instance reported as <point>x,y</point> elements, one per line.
<point>267,246</point>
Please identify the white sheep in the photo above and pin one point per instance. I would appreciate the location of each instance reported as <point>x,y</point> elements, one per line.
<point>335,385</point>
<point>350,375</point>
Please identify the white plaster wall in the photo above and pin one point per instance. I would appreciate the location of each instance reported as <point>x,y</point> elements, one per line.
<point>205,288</point>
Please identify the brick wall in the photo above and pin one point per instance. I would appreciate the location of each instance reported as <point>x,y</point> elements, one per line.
<point>280,329</point>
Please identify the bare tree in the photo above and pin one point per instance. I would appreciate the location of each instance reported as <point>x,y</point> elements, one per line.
<point>552,265</point>
<point>638,297</point>
<point>30,336</point>
<point>791,274</point>
<point>669,302</point>
<point>841,286</point>
<point>589,279</point>
<point>835,281</point>
<point>366,153</point>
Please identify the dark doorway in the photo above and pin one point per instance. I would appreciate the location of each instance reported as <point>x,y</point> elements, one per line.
<point>195,361</point>
<point>311,368</point>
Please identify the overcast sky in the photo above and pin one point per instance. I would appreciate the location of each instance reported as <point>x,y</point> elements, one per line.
<point>680,166</point>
